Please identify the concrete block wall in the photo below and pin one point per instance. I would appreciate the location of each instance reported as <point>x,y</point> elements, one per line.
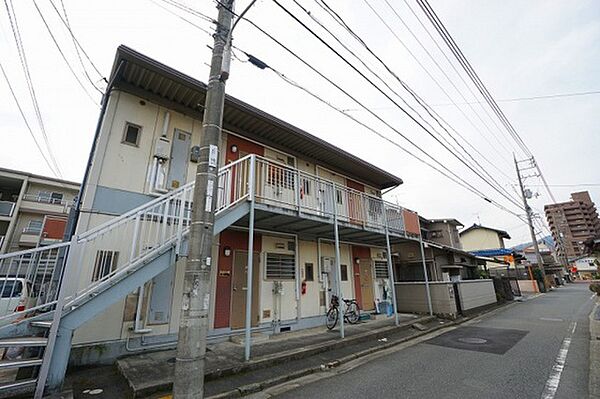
<point>476,293</point>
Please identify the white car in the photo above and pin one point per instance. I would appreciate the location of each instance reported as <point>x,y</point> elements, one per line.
<point>16,295</point>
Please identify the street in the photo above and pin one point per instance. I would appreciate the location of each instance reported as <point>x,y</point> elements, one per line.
<point>507,354</point>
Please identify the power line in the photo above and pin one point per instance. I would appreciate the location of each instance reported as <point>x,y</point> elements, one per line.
<point>37,144</point>
<point>532,98</point>
<point>290,14</point>
<point>102,77</point>
<point>336,17</point>
<point>12,16</point>
<point>64,57</point>
<point>62,4</point>
<point>431,76</point>
<point>263,65</point>
<point>457,52</point>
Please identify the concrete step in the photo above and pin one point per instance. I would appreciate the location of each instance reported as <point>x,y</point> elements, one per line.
<point>255,338</point>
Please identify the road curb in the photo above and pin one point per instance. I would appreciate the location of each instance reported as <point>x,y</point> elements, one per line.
<point>257,387</point>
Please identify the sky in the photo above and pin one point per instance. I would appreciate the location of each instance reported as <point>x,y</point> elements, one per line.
<point>518,48</point>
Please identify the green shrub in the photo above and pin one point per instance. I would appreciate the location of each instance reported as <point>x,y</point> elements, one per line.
<point>595,287</point>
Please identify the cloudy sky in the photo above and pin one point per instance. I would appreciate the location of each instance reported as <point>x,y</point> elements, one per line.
<point>520,49</point>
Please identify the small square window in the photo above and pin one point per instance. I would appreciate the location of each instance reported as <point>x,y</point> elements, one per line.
<point>132,134</point>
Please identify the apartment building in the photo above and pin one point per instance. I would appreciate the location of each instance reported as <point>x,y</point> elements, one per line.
<point>33,209</point>
<point>572,223</point>
<point>151,128</point>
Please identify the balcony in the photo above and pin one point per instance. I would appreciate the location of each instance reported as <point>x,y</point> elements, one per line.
<point>290,200</point>
<point>46,205</point>
<point>7,208</point>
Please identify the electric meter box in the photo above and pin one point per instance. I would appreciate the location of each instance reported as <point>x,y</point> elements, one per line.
<point>162,148</point>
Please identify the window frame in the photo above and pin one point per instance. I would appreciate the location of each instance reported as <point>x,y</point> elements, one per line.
<point>124,136</point>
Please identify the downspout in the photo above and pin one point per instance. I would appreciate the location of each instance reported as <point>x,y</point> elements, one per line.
<point>76,210</point>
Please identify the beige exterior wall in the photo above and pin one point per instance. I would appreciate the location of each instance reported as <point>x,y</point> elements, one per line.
<point>125,167</point>
<point>478,239</point>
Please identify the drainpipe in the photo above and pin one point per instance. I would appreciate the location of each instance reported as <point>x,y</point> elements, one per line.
<point>298,274</point>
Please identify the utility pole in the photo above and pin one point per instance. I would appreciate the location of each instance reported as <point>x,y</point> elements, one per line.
<point>530,222</point>
<point>193,326</point>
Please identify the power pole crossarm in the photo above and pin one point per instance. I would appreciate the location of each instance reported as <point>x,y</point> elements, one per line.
<point>193,327</point>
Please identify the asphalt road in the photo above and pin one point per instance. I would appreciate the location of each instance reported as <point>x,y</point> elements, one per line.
<point>512,353</point>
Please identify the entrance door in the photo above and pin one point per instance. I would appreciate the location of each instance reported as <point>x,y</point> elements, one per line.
<point>180,155</point>
<point>366,284</point>
<point>239,289</point>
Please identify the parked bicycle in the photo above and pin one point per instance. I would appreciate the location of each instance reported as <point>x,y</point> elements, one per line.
<point>351,314</point>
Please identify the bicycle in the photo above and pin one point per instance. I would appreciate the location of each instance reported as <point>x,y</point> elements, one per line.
<point>351,314</point>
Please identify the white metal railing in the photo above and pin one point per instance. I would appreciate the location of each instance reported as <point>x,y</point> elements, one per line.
<point>102,255</point>
<point>44,199</point>
<point>7,208</point>
<point>281,185</point>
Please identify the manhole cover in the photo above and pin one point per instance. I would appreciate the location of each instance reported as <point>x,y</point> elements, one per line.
<point>470,340</point>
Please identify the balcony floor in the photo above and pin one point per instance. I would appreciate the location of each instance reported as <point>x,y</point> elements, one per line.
<point>312,226</point>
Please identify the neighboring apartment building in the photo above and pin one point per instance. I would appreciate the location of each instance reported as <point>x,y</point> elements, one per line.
<point>489,243</point>
<point>572,223</point>
<point>33,209</point>
<point>151,130</point>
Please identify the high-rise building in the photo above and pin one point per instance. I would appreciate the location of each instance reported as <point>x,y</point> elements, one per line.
<point>572,223</point>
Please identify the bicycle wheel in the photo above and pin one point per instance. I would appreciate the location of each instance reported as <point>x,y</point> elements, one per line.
<point>353,313</point>
<point>332,318</point>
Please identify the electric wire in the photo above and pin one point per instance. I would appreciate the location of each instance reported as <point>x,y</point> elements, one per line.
<point>35,140</point>
<point>421,102</point>
<point>64,57</point>
<point>307,64</point>
<point>353,67</point>
<point>457,52</point>
<point>25,68</point>
<point>77,51</point>
<point>102,77</point>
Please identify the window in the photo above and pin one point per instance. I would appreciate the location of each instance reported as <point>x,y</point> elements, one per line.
<point>105,264</point>
<point>280,267</point>
<point>436,234</point>
<point>381,269</point>
<point>344,272</point>
<point>33,227</point>
<point>309,272</point>
<point>11,288</point>
<point>131,135</point>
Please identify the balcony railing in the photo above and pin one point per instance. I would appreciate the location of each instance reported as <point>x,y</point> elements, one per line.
<point>44,200</point>
<point>6,208</point>
<point>286,187</point>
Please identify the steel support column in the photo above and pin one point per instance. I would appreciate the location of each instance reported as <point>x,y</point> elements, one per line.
<point>391,274</point>
<point>249,279</point>
<point>338,266</point>
<point>422,246</point>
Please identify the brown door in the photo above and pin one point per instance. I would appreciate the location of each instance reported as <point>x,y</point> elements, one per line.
<point>366,284</point>
<point>239,289</point>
